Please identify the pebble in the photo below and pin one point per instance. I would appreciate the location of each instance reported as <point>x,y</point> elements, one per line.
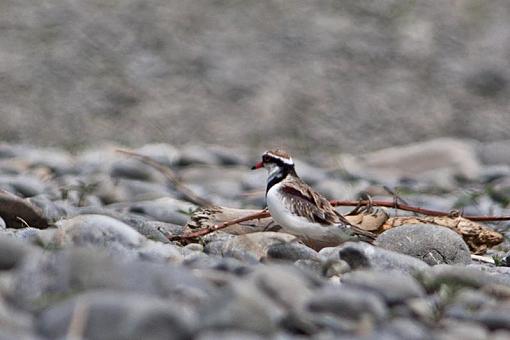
<point>429,243</point>
<point>384,284</point>
<point>107,255</point>
<point>363,255</point>
<point>116,315</point>
<point>348,302</point>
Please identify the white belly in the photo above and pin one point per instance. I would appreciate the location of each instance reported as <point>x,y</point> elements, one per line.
<point>290,223</point>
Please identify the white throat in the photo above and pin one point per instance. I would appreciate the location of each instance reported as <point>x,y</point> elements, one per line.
<point>272,172</point>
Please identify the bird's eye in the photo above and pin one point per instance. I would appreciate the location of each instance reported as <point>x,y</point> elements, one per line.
<point>265,158</point>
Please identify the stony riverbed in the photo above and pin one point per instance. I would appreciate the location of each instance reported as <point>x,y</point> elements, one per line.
<point>105,269</point>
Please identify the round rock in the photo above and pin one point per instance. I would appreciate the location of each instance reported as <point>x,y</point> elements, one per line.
<point>430,243</point>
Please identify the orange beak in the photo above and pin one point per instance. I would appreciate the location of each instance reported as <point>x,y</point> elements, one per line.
<point>257,166</point>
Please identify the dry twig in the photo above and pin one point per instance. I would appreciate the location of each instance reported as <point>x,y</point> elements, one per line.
<point>388,204</point>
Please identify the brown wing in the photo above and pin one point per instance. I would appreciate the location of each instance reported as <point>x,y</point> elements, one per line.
<point>303,201</point>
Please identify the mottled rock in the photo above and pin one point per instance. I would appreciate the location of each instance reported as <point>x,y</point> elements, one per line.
<point>43,280</point>
<point>164,209</point>
<point>12,252</point>
<point>348,302</point>
<point>291,252</point>
<point>160,252</point>
<point>393,286</point>
<point>458,276</point>
<point>256,244</point>
<point>403,328</point>
<point>92,230</point>
<point>364,255</point>
<point>134,169</point>
<point>437,160</point>
<point>430,243</point>
<point>22,185</point>
<point>117,315</point>
<point>259,301</point>
<point>457,329</point>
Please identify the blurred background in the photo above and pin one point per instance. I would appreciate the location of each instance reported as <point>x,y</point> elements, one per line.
<point>343,76</point>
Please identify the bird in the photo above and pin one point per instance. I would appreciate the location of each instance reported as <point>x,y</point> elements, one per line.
<point>300,210</point>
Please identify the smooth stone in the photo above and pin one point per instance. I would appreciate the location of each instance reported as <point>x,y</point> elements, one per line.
<point>222,264</point>
<point>259,301</point>
<point>43,280</point>
<point>348,302</point>
<point>438,160</point>
<point>457,329</point>
<point>403,328</point>
<point>51,209</point>
<point>131,190</point>
<point>134,169</point>
<point>393,286</point>
<point>429,243</point>
<point>459,276</point>
<point>164,209</point>
<point>23,185</point>
<point>15,323</point>
<point>150,229</point>
<point>160,252</point>
<point>256,244</point>
<point>96,230</point>
<point>229,335</point>
<point>12,252</point>
<point>312,266</point>
<point>363,255</point>
<point>117,315</point>
<point>291,252</point>
<point>58,161</point>
<point>192,248</point>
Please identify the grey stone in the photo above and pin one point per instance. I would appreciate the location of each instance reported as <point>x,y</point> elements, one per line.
<point>42,280</point>
<point>53,210</point>
<point>197,155</point>
<point>348,302</point>
<point>364,255</point>
<point>160,252</point>
<point>255,244</point>
<point>458,329</point>
<point>92,230</point>
<point>259,301</point>
<point>400,328</point>
<point>12,252</point>
<point>134,169</point>
<point>458,276</point>
<point>430,243</point>
<point>229,335</point>
<point>291,252</point>
<point>438,161</point>
<point>117,315</point>
<point>164,209</point>
<point>393,286</point>
<point>24,186</point>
